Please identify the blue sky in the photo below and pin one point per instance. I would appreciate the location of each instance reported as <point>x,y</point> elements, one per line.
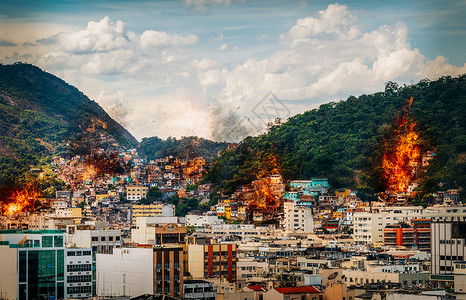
<point>174,68</point>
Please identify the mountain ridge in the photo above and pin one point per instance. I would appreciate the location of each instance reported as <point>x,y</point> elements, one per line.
<point>40,113</point>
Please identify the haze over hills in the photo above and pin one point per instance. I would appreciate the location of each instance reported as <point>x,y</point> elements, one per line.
<point>41,115</point>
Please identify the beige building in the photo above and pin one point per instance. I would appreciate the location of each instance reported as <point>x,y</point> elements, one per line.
<point>141,270</point>
<point>212,261</point>
<point>157,231</point>
<point>136,192</point>
<point>290,293</point>
<point>152,210</point>
<point>297,218</point>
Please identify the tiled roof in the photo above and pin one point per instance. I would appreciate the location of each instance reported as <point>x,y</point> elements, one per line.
<point>255,287</point>
<point>297,290</point>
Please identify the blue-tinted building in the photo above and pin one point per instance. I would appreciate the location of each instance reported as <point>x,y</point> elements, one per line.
<point>32,264</point>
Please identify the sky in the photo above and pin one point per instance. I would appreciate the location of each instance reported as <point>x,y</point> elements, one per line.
<point>223,69</point>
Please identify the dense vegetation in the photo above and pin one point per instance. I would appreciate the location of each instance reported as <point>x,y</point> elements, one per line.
<point>342,140</point>
<point>183,148</point>
<point>41,115</point>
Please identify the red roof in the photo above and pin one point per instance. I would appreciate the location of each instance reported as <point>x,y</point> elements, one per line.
<point>255,287</point>
<point>297,290</point>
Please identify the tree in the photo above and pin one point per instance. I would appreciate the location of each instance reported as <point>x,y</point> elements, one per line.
<point>154,194</point>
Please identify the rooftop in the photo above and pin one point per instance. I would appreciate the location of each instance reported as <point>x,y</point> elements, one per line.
<point>43,231</point>
<point>297,290</point>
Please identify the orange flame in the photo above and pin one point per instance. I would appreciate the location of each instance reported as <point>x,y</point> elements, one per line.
<point>23,199</point>
<point>400,162</point>
<point>90,173</point>
<point>96,123</point>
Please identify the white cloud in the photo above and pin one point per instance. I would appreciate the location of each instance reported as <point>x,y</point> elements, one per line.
<point>155,84</point>
<point>223,47</point>
<point>152,38</point>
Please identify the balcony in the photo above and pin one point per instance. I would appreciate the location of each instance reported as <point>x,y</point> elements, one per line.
<point>199,295</point>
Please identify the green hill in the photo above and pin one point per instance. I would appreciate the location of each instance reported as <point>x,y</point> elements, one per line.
<point>183,148</point>
<point>343,140</point>
<point>41,116</point>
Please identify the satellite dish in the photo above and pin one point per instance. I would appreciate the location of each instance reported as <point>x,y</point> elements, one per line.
<point>333,275</point>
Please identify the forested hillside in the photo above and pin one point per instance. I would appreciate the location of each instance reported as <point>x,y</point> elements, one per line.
<point>185,147</point>
<point>41,116</point>
<point>343,140</point>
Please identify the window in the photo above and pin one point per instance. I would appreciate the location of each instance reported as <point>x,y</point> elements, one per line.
<point>58,241</point>
<point>47,241</point>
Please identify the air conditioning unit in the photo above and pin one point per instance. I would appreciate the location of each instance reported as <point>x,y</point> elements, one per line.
<point>158,270</point>
<point>177,269</point>
<point>168,269</point>
<point>158,282</point>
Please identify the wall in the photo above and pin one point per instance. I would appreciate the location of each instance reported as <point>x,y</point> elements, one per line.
<point>8,273</point>
<point>126,272</point>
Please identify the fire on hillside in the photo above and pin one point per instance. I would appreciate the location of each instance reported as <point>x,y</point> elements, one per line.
<point>402,153</point>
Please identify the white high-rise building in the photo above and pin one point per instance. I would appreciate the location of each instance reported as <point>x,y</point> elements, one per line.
<point>297,218</point>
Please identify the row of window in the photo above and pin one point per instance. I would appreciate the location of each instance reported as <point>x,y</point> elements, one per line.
<point>448,257</point>
<point>223,253</point>
<point>52,241</point>
<point>79,289</point>
<point>450,242</point>
<point>104,238</point>
<point>79,278</point>
<point>79,268</point>
<point>78,253</point>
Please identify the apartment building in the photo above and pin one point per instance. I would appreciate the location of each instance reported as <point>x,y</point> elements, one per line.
<point>202,221</point>
<point>448,245</point>
<point>199,290</point>
<point>403,234</point>
<point>152,210</point>
<point>368,226</point>
<point>136,192</point>
<point>212,261</point>
<point>140,270</point>
<point>407,275</point>
<point>101,240</point>
<point>157,231</point>
<point>297,218</point>
<point>79,281</point>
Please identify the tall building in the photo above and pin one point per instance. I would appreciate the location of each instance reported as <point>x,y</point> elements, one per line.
<point>297,218</point>
<point>212,261</point>
<point>140,270</point>
<point>78,279</point>
<point>32,264</point>
<point>97,237</point>
<point>448,245</point>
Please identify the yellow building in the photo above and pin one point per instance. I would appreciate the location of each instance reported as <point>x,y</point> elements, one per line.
<point>227,211</point>
<point>136,192</point>
<point>152,210</point>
